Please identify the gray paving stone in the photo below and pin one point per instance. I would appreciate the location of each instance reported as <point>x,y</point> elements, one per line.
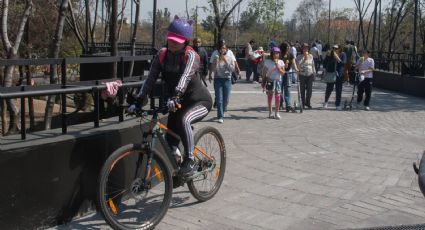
<point>319,170</point>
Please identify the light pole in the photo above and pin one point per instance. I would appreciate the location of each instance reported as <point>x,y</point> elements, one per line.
<point>196,21</point>
<point>309,26</point>
<point>415,19</point>
<point>154,24</point>
<point>329,21</point>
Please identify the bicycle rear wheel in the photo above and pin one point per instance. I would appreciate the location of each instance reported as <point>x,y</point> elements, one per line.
<point>210,160</point>
<point>125,198</point>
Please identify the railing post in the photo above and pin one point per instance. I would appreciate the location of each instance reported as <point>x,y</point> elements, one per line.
<point>121,92</point>
<point>63,96</point>
<point>96,97</point>
<point>23,128</point>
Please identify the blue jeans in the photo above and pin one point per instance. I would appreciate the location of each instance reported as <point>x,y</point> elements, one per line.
<point>249,69</point>
<point>222,88</point>
<point>286,95</point>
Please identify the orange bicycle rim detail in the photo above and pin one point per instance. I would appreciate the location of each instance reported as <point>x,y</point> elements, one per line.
<point>112,206</point>
<point>202,151</point>
<point>157,173</point>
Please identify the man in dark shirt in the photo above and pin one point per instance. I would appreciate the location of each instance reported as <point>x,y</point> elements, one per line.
<point>203,65</point>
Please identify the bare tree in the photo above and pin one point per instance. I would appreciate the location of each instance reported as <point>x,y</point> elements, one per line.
<point>11,50</point>
<point>134,35</point>
<point>54,53</point>
<point>220,18</point>
<point>362,9</point>
<point>396,14</point>
<point>308,13</point>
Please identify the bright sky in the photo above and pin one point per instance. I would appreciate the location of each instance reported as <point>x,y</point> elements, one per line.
<point>178,6</point>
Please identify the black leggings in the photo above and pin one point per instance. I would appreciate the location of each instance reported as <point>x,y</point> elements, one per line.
<point>180,123</point>
<point>338,91</point>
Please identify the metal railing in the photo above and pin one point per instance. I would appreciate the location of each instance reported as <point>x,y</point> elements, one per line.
<point>402,63</point>
<point>64,88</point>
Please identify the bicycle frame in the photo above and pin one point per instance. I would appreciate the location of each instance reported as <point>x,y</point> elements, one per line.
<point>158,144</point>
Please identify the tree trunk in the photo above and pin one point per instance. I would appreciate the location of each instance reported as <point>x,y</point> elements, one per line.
<point>11,49</point>
<point>113,36</point>
<point>54,53</point>
<point>11,103</point>
<point>28,76</point>
<point>220,24</point>
<point>134,36</point>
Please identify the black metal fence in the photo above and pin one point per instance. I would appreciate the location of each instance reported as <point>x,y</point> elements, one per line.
<point>402,63</point>
<point>64,88</point>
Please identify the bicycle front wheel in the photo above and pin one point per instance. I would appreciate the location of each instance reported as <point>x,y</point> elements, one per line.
<point>131,194</point>
<point>210,161</point>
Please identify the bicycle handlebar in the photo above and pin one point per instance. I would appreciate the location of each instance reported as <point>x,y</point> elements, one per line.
<point>139,112</point>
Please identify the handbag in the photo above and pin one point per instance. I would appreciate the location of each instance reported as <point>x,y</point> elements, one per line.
<point>234,78</point>
<point>330,77</point>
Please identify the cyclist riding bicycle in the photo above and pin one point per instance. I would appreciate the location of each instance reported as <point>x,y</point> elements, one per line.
<point>179,64</point>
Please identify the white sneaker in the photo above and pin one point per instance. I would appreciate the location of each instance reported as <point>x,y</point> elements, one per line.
<point>277,116</point>
<point>339,108</point>
<point>367,108</point>
<point>325,105</point>
<point>220,120</point>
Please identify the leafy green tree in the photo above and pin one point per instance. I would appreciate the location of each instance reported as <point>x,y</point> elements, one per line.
<point>221,15</point>
<point>270,13</point>
<point>248,19</point>
<point>307,15</point>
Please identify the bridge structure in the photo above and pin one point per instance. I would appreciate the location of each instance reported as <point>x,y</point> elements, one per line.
<point>47,176</point>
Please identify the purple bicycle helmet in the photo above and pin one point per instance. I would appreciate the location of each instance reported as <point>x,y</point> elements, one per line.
<point>180,30</point>
<point>275,49</point>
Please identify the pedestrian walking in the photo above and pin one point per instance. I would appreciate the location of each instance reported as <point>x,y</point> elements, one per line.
<point>272,72</point>
<point>223,66</point>
<point>332,77</point>
<point>306,64</point>
<point>229,54</point>
<point>365,66</point>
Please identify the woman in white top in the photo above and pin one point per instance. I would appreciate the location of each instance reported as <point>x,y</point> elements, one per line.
<point>366,65</point>
<point>272,72</point>
<point>223,66</point>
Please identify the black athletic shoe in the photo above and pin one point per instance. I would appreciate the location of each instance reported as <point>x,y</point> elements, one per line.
<point>290,109</point>
<point>187,168</point>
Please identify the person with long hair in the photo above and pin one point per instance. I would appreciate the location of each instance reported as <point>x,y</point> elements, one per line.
<point>223,66</point>
<point>187,98</point>
<point>333,64</point>
<point>289,60</point>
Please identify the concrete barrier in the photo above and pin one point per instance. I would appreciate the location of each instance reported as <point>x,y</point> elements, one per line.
<point>49,178</point>
<point>401,83</point>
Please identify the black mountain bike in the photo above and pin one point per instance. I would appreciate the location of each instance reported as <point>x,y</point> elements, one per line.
<point>136,182</point>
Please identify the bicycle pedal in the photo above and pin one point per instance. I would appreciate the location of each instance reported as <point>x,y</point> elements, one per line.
<point>177,181</point>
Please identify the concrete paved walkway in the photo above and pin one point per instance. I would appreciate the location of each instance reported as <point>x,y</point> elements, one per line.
<point>323,169</point>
